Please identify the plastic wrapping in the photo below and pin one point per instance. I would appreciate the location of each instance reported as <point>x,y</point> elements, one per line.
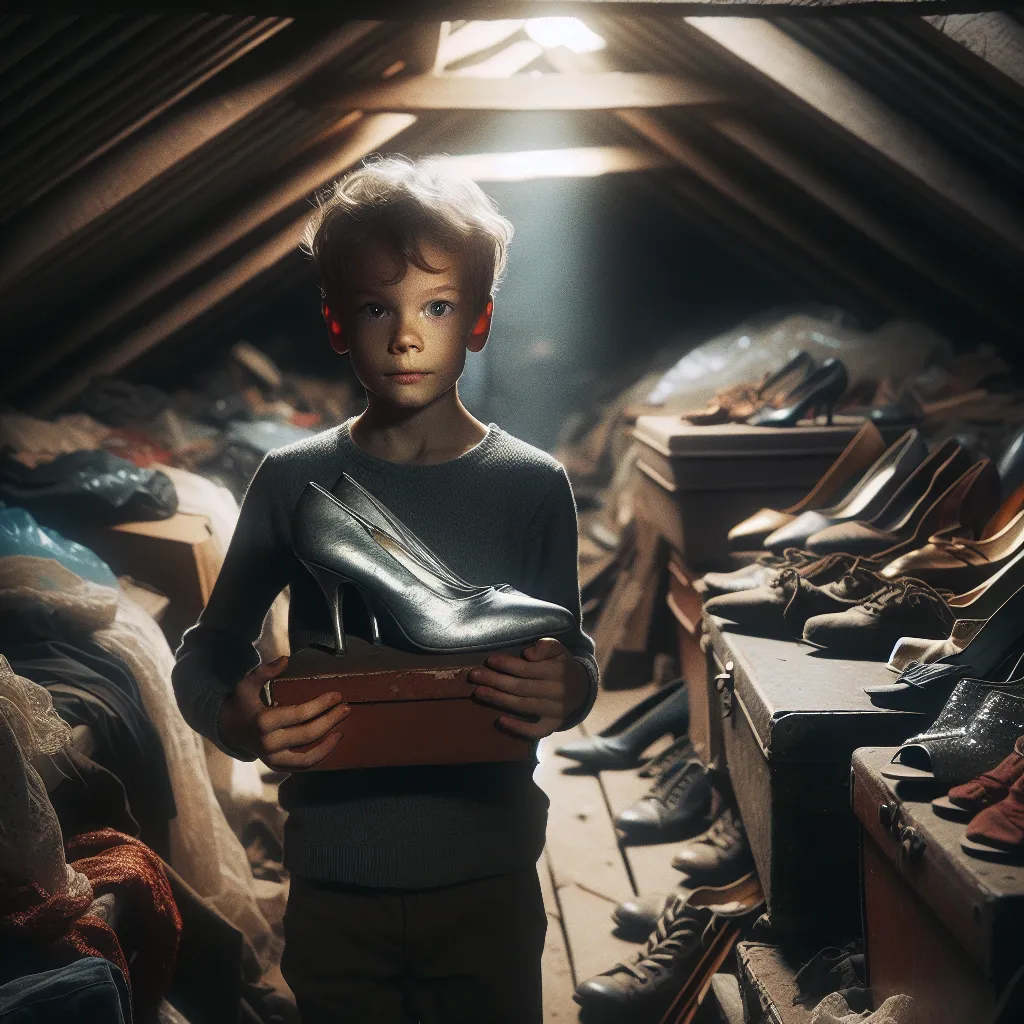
<point>897,350</point>
<point>87,487</point>
<point>20,534</point>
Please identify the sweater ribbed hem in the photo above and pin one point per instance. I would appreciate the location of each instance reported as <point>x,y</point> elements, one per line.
<point>423,862</point>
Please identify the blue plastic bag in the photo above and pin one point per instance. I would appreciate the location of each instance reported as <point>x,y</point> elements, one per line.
<point>20,534</point>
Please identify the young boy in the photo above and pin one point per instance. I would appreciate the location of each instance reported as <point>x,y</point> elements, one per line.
<point>414,891</point>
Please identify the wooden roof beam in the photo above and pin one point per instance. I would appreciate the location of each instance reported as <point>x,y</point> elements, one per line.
<point>609,90</point>
<point>366,135</point>
<point>892,139</point>
<point>132,166</point>
<point>855,213</point>
<point>728,184</point>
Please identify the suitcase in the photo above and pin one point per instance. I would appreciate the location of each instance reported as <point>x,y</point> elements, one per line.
<point>939,925</point>
<point>685,604</point>
<point>696,483</point>
<point>790,721</point>
<point>767,981</point>
<point>407,709</point>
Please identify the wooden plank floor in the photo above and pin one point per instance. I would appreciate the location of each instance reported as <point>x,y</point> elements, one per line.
<point>585,870</point>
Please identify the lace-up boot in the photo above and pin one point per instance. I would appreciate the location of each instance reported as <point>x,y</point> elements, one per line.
<point>871,629</point>
<point>719,855</point>
<point>679,800</point>
<point>642,988</point>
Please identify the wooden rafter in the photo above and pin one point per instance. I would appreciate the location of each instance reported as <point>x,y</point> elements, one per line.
<point>140,161</point>
<point>366,135</point>
<point>724,180</point>
<point>611,90</point>
<point>857,214</point>
<point>889,137</point>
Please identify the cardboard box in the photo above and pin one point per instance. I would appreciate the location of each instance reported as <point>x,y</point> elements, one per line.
<point>407,709</point>
<point>175,555</point>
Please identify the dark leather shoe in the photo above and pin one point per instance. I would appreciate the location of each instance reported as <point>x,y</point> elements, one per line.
<point>643,988</point>
<point>781,608</point>
<point>620,744</point>
<point>758,574</point>
<point>719,855</point>
<point>919,686</point>
<point>676,805</point>
<point>856,459</point>
<point>872,628</point>
<point>638,917</point>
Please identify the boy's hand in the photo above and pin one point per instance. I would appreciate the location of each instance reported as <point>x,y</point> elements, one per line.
<point>547,683</point>
<point>246,723</point>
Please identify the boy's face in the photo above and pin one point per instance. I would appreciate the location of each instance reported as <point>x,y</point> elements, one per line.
<point>408,339</point>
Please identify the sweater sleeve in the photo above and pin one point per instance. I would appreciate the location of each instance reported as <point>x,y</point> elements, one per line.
<point>551,573</point>
<point>218,651</point>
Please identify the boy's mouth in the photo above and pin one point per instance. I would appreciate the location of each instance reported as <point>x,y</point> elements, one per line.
<point>408,377</point>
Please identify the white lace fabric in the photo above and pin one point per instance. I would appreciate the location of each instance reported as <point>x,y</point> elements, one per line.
<point>31,843</point>
<point>204,850</point>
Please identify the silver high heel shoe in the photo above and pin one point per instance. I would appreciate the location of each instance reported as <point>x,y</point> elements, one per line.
<point>357,498</point>
<point>338,545</point>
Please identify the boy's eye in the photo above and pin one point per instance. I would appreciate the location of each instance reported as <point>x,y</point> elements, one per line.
<point>374,311</point>
<point>438,307</point>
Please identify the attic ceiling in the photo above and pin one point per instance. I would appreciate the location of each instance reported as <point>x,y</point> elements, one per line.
<point>158,169</point>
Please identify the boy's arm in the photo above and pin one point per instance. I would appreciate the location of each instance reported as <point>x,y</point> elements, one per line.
<point>217,652</point>
<point>551,573</point>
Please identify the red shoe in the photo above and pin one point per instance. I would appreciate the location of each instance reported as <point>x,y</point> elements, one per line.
<point>997,832</point>
<point>963,802</point>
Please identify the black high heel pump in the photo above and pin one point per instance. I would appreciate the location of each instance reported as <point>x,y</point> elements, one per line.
<point>821,390</point>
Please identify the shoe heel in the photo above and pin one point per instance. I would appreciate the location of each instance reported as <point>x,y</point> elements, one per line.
<point>374,625</point>
<point>830,408</point>
<point>330,583</point>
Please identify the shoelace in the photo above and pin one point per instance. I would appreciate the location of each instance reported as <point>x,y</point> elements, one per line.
<point>790,558</point>
<point>913,592</point>
<point>859,576</point>
<point>662,763</point>
<point>723,833</point>
<point>677,782</point>
<point>678,931</point>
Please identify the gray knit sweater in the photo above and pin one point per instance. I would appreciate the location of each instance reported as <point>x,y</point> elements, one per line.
<point>501,513</point>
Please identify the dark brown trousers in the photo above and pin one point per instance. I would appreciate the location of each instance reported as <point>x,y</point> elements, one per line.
<point>459,954</point>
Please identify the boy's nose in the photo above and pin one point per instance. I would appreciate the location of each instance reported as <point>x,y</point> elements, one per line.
<point>405,339</point>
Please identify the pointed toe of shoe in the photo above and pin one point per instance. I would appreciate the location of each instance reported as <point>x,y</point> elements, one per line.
<point>795,533</point>
<point>598,752</point>
<point>751,533</point>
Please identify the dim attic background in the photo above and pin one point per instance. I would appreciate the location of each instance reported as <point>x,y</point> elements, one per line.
<point>680,234</point>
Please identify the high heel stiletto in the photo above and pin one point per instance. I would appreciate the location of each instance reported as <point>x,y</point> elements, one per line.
<point>356,497</point>
<point>876,488</point>
<point>330,583</point>
<point>418,607</point>
<point>821,390</point>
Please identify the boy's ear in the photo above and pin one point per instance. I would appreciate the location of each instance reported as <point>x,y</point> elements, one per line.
<point>334,331</point>
<point>482,328</point>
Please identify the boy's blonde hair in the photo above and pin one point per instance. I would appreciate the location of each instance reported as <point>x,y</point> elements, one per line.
<point>401,204</point>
